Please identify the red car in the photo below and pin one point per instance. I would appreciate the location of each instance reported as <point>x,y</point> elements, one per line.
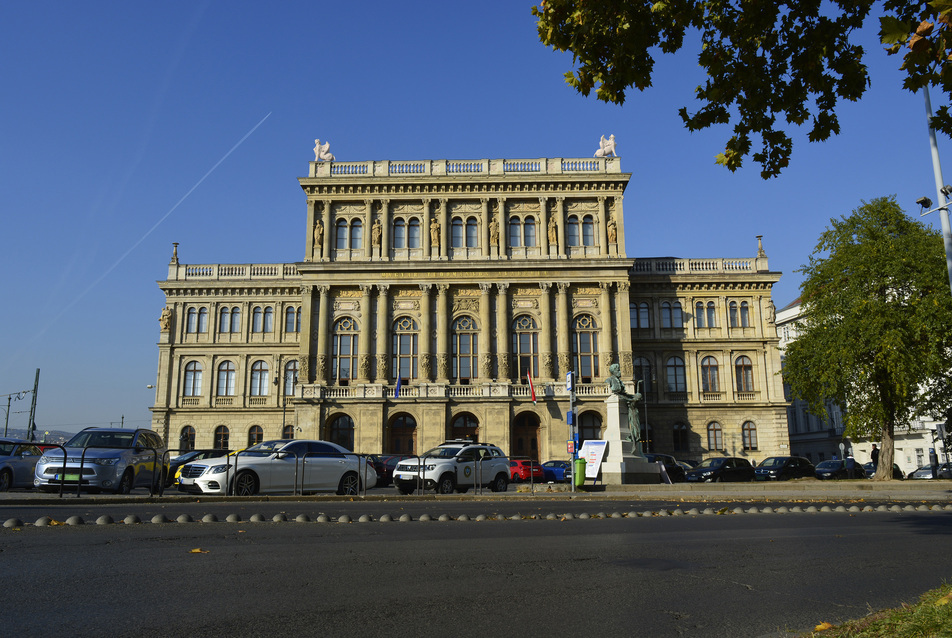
<point>524,470</point>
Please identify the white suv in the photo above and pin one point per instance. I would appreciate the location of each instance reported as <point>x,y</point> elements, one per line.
<point>454,465</point>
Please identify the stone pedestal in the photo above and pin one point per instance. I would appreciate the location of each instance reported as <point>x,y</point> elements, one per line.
<point>622,465</point>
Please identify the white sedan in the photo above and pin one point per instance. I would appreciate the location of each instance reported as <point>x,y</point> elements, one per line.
<point>280,466</point>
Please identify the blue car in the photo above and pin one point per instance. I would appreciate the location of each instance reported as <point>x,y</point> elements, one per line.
<point>557,471</point>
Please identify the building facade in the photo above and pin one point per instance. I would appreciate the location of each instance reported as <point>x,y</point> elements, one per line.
<point>436,298</point>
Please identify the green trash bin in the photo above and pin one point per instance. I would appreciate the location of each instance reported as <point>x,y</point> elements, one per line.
<point>579,474</point>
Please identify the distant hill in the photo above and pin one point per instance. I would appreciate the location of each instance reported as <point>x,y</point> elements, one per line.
<point>53,436</point>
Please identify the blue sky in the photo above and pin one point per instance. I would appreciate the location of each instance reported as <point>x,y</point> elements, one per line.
<point>113,112</point>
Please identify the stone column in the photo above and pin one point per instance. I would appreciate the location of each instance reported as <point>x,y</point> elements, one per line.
<point>385,235</point>
<point>620,223</point>
<point>623,323</point>
<point>426,229</point>
<point>545,334</point>
<point>605,340</point>
<point>323,317</point>
<point>363,342</point>
<point>309,241</point>
<point>502,332</point>
<point>368,228</point>
<point>543,231</point>
<point>328,230</point>
<point>383,335</point>
<point>442,333</point>
<point>426,329</point>
<point>485,318</point>
<point>602,227</point>
<point>306,345</point>
<point>503,228</point>
<point>484,226</point>
<point>562,329</point>
<point>560,221</point>
<point>444,229</point>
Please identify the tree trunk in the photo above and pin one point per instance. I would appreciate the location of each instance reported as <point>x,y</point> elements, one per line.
<point>886,454</point>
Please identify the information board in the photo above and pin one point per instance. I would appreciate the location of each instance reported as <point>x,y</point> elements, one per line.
<point>593,452</point>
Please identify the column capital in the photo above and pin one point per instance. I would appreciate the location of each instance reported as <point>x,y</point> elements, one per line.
<point>563,287</point>
<point>442,289</point>
<point>623,286</point>
<point>323,290</point>
<point>426,288</point>
<point>382,289</point>
<point>502,288</point>
<point>545,286</point>
<point>485,288</point>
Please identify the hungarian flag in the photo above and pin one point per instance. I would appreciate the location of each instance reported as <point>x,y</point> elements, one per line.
<point>396,395</point>
<point>531,387</point>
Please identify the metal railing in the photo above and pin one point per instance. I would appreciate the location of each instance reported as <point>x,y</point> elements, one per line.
<point>156,483</point>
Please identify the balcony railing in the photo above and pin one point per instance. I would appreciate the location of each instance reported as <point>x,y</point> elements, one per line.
<point>669,266</point>
<point>480,167</point>
<point>232,272</point>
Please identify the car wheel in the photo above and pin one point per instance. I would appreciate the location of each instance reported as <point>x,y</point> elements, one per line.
<point>6,480</point>
<point>246,484</point>
<point>125,483</point>
<point>349,484</point>
<point>446,484</point>
<point>499,484</point>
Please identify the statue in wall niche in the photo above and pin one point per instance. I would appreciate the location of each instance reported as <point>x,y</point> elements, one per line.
<point>494,232</point>
<point>318,237</point>
<point>617,387</point>
<point>612,231</point>
<point>771,312</point>
<point>165,320</point>
<point>435,233</point>
<point>322,152</point>
<point>375,232</point>
<point>553,232</point>
<point>606,147</point>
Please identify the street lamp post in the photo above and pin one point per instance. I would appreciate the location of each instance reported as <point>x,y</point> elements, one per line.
<point>942,191</point>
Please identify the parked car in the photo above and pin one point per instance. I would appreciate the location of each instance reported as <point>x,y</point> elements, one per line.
<point>943,471</point>
<point>387,465</point>
<point>869,470</point>
<point>836,469</point>
<point>176,464</point>
<point>674,469</point>
<point>557,471</point>
<point>525,470</point>
<point>718,469</point>
<point>784,468</point>
<point>454,465</point>
<point>689,463</point>
<point>17,463</point>
<point>283,465</point>
<point>111,459</point>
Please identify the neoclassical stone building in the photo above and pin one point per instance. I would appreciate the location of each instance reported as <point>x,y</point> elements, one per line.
<point>428,294</point>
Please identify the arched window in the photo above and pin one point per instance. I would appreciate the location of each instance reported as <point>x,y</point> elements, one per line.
<point>709,375</point>
<point>529,231</point>
<point>193,379</point>
<point>292,319</point>
<point>515,232</point>
<point>287,432</point>
<point>588,231</point>
<point>356,234</point>
<point>413,233</point>
<point>405,348</point>
<point>643,373</point>
<point>585,347</point>
<point>572,235</point>
<point>465,349</point>
<point>744,315</point>
<point>525,346</point>
<point>187,439</point>
<point>710,315</point>
<point>457,233</point>
<point>675,378</point>
<point>236,319</point>
<point>224,321</point>
<point>589,427</point>
<point>341,234</point>
<point>257,319</point>
<point>744,373</point>
<point>472,233</point>
<point>290,377</point>
<point>732,313</point>
<point>749,431</point>
<point>399,234</point>
<point>269,319</point>
<point>344,351</point>
<point>640,314</point>
<point>699,315</point>
<point>203,319</point>
<point>259,379</point>
<point>715,437</point>
<point>226,379</point>
<point>342,431</point>
<point>221,438</point>
<point>681,440</point>
<point>464,426</point>
<point>671,316</point>
<point>402,434</point>
<point>191,321</point>
<point>255,435</point>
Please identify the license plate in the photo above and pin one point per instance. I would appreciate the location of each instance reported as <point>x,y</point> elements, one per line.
<point>67,477</point>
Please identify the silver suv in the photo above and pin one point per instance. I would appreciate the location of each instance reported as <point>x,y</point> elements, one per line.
<point>455,465</point>
<point>115,460</point>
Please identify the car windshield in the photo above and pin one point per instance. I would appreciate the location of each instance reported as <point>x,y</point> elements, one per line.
<point>829,465</point>
<point>188,456</point>
<point>102,439</point>
<point>773,461</point>
<point>266,448</point>
<point>443,452</point>
<point>706,463</point>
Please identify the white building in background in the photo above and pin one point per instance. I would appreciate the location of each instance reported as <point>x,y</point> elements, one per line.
<point>819,439</point>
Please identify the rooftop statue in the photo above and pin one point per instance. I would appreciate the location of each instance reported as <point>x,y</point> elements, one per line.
<point>606,147</point>
<point>322,151</point>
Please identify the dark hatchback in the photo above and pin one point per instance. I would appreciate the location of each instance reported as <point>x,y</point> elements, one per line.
<point>716,470</point>
<point>827,470</point>
<point>784,468</point>
<point>675,472</point>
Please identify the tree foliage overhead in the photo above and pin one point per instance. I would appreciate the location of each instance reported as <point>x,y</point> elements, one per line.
<point>770,64</point>
<point>877,330</point>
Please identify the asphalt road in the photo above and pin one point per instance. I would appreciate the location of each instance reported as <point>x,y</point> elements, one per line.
<point>659,576</point>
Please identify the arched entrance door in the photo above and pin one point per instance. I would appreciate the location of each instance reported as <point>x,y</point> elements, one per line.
<point>341,431</point>
<point>524,441</point>
<point>401,438</point>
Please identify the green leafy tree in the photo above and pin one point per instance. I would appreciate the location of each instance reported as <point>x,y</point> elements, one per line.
<point>770,64</point>
<point>877,330</point>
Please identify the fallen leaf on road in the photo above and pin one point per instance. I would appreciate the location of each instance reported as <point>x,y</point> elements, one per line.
<point>198,550</point>
<point>823,626</point>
